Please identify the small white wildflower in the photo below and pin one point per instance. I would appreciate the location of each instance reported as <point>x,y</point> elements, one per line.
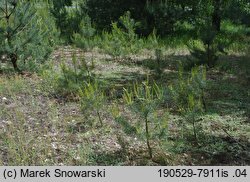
<point>53,145</point>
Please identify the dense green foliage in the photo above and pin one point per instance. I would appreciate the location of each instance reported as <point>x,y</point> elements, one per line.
<point>163,15</point>
<point>23,29</point>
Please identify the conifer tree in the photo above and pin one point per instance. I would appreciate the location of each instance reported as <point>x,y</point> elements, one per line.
<point>23,35</point>
<point>67,18</point>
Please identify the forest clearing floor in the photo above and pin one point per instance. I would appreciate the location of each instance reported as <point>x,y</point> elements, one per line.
<point>38,127</point>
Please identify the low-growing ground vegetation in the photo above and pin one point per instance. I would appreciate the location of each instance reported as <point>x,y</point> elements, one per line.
<point>125,96</point>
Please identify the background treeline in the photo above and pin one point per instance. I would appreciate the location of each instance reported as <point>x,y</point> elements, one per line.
<point>115,25</point>
<point>166,16</point>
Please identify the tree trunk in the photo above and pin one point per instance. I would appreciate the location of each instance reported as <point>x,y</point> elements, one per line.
<point>147,138</point>
<point>99,117</point>
<point>13,58</point>
<point>194,129</point>
<point>216,16</point>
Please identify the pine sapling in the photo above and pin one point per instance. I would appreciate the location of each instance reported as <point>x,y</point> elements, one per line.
<point>144,100</point>
<point>93,99</point>
<point>189,96</point>
<point>22,30</point>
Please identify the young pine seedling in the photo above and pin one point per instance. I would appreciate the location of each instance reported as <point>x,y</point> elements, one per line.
<point>144,100</point>
<point>189,95</point>
<point>93,99</point>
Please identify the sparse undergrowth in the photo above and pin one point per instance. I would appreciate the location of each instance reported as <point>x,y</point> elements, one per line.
<point>38,126</point>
